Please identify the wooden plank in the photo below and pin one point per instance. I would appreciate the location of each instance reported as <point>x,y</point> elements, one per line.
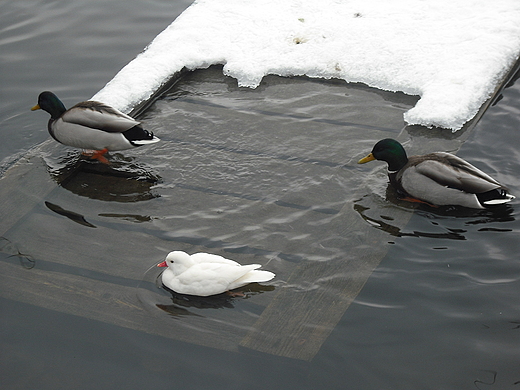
<point>103,301</point>
<point>59,259</point>
<point>89,276</point>
<point>285,327</point>
<point>87,230</point>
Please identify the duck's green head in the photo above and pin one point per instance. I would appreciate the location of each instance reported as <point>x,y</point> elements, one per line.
<point>49,102</point>
<point>388,150</point>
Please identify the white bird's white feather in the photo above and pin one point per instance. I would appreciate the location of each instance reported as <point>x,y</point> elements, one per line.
<point>206,274</point>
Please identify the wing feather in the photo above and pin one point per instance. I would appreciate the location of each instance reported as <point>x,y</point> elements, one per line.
<point>454,172</point>
<point>211,258</point>
<point>210,278</point>
<point>99,116</point>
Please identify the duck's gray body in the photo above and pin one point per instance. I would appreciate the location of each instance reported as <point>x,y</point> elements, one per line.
<point>445,179</point>
<point>92,125</point>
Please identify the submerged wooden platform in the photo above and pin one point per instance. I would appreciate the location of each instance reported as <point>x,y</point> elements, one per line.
<point>266,176</point>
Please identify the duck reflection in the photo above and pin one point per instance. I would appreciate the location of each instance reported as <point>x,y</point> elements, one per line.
<point>385,225</point>
<point>72,215</point>
<point>122,180</point>
<point>220,301</point>
<point>503,213</point>
<point>11,250</point>
<point>499,214</point>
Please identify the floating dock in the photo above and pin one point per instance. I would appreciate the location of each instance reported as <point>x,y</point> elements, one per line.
<point>266,176</point>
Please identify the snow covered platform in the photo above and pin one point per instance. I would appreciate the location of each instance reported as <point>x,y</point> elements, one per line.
<point>266,176</point>
<point>452,54</point>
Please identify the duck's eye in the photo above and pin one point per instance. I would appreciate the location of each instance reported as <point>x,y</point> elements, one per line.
<point>171,261</point>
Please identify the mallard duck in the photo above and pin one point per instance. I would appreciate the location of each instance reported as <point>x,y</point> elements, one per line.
<point>205,274</point>
<point>438,178</point>
<point>92,125</point>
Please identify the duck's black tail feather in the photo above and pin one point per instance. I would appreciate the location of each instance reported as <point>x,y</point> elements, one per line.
<point>139,136</point>
<point>495,197</point>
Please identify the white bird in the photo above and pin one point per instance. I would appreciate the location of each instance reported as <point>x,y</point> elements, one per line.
<point>205,274</point>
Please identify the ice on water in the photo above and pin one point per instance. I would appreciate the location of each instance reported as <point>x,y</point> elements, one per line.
<point>450,53</point>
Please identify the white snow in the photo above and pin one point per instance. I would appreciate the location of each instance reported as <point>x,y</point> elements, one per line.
<point>452,53</point>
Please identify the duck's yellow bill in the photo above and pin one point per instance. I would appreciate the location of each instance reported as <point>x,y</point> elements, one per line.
<point>36,107</point>
<point>366,159</point>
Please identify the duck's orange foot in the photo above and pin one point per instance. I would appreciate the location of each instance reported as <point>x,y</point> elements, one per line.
<point>235,294</point>
<point>415,200</point>
<point>98,155</point>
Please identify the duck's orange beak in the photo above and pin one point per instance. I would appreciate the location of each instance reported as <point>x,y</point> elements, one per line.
<point>163,264</point>
<point>36,107</point>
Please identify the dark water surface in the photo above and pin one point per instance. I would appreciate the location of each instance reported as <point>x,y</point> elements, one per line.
<point>441,311</point>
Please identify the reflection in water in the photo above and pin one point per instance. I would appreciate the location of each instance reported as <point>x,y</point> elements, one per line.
<point>500,214</point>
<point>69,214</point>
<point>6,246</point>
<point>504,213</point>
<point>128,217</point>
<point>452,234</point>
<point>121,181</point>
<point>220,301</point>
<point>492,377</point>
